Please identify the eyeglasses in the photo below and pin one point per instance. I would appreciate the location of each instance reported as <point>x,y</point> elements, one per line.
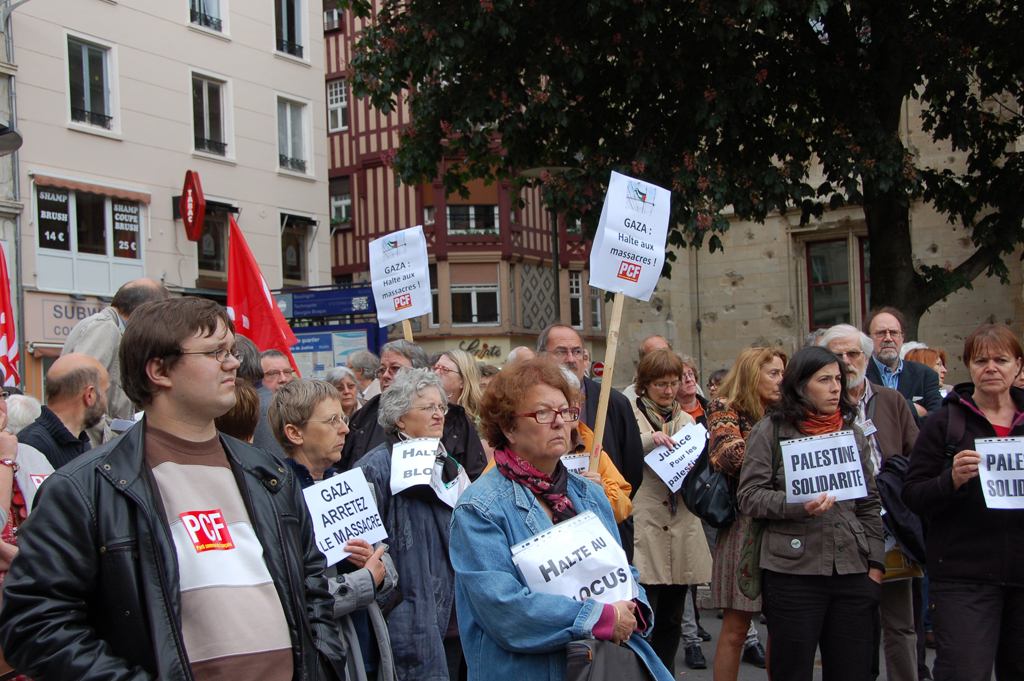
<point>438,369</point>
<point>279,372</point>
<point>562,353</point>
<point>569,415</point>
<point>393,369</point>
<point>221,355</point>
<point>852,354</point>
<point>662,385</point>
<point>882,333</point>
<point>432,408</point>
<point>4,395</point>
<point>689,376</point>
<point>334,420</point>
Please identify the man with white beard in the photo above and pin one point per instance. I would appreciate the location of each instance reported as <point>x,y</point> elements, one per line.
<point>888,424</point>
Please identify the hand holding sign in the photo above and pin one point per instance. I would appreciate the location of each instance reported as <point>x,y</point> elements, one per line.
<point>965,467</point>
<point>673,463</point>
<point>823,469</point>
<point>342,508</point>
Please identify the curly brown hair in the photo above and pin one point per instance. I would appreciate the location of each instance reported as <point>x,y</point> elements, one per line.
<point>657,364</point>
<point>510,387</point>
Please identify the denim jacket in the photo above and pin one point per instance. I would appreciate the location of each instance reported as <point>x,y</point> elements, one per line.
<point>507,631</point>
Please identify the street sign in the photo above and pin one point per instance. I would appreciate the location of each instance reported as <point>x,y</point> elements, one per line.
<point>598,369</point>
<point>192,206</point>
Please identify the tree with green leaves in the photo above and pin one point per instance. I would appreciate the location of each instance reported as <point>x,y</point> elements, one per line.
<point>731,104</point>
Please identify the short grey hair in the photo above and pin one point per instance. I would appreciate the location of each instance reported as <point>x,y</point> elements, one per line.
<point>406,386</point>
<point>335,374</point>
<point>21,411</point>
<point>365,361</point>
<point>513,354</point>
<point>409,350</point>
<point>542,339</point>
<point>294,403</point>
<point>842,331</point>
<point>570,376</point>
<point>272,353</point>
<point>251,369</point>
<point>692,363</point>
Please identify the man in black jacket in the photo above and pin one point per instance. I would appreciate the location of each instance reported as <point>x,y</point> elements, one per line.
<point>916,382</point>
<point>621,433</point>
<point>172,552</point>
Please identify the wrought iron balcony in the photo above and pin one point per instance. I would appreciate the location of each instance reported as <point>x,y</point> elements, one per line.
<point>290,163</point>
<point>206,20</point>
<point>91,117</point>
<point>289,47</point>
<point>213,147</point>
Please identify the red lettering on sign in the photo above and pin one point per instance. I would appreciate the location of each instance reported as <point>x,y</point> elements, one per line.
<point>629,271</point>
<point>403,301</point>
<point>207,530</point>
<point>38,479</point>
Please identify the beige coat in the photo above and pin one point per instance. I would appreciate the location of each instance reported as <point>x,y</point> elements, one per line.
<point>668,549</point>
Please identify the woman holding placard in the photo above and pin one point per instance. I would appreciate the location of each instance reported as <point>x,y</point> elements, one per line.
<point>750,386</point>
<point>670,549</point>
<point>822,559</point>
<point>424,630</point>
<point>510,629</point>
<point>306,417</point>
<point>964,484</point>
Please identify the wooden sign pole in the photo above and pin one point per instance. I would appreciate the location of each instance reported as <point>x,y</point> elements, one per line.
<point>606,379</point>
<point>407,329</point>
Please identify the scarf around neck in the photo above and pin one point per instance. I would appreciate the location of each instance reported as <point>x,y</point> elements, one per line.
<point>553,489</point>
<point>814,423</point>
<point>666,419</point>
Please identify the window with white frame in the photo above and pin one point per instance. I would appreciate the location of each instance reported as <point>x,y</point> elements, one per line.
<point>89,83</point>
<point>466,218</point>
<point>595,308</point>
<point>292,136</point>
<point>838,287</point>
<point>428,215</point>
<point>474,305</point>
<point>332,19</point>
<point>206,13</point>
<point>294,249</point>
<point>341,201</point>
<point>213,247</point>
<point>288,16</point>
<point>209,119</point>
<point>576,299</point>
<point>337,106</point>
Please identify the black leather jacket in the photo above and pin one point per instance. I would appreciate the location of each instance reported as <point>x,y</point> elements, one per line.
<point>93,592</point>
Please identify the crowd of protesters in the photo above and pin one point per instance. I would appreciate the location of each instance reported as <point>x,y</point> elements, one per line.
<point>175,543</point>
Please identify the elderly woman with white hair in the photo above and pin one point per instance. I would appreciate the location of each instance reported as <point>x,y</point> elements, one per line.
<point>344,380</point>
<point>424,630</point>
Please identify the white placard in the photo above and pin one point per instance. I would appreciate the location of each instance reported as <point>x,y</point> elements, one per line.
<point>823,464</point>
<point>673,463</point>
<point>576,463</point>
<point>399,275</point>
<point>577,558</point>
<point>342,508</point>
<point>421,462</point>
<point>629,247</point>
<point>1002,471</point>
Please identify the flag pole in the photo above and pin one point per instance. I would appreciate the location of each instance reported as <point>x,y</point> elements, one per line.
<point>606,379</point>
<point>407,329</point>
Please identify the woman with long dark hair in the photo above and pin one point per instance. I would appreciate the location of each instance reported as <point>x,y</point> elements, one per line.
<point>822,560</point>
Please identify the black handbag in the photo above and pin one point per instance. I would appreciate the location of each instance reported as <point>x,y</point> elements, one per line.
<point>709,494</point>
<point>595,660</point>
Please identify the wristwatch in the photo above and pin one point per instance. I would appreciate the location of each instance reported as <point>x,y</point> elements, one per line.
<point>10,462</point>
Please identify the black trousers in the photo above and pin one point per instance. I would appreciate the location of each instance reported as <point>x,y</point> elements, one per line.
<point>667,601</point>
<point>806,612</point>
<point>976,626</point>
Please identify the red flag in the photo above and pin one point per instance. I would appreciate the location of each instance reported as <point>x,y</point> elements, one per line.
<point>9,355</point>
<point>250,304</point>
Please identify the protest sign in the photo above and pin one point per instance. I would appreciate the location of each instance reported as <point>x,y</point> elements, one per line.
<point>1002,471</point>
<point>421,462</point>
<point>342,508</point>
<point>629,247</point>
<point>576,463</point>
<point>399,276</point>
<point>577,558</point>
<point>823,464</point>
<point>673,463</point>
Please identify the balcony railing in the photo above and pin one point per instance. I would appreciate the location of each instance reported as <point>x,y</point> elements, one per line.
<point>289,47</point>
<point>212,146</point>
<point>331,24</point>
<point>290,163</point>
<point>206,20</point>
<point>91,117</point>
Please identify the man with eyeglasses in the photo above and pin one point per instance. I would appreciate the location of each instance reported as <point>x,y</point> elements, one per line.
<point>916,382</point>
<point>621,433</point>
<point>277,370</point>
<point>172,552</point>
<point>887,421</point>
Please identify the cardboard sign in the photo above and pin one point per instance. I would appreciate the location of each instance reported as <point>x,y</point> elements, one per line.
<point>342,508</point>
<point>673,463</point>
<point>421,462</point>
<point>207,530</point>
<point>1002,471</point>
<point>399,276</point>
<point>577,558</point>
<point>823,464</point>
<point>576,463</point>
<point>629,247</point>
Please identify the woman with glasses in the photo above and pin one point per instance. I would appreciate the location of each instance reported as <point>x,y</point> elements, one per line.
<point>424,630</point>
<point>670,549</point>
<point>460,375</point>
<point>345,381</point>
<point>508,631</point>
<point>306,417</point>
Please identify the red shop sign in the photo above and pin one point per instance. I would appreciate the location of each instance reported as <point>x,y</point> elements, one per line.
<point>192,206</point>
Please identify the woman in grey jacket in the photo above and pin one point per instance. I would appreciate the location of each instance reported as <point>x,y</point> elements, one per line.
<point>823,560</point>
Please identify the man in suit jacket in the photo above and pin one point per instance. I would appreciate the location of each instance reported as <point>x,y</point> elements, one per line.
<point>621,432</point>
<point>916,382</point>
